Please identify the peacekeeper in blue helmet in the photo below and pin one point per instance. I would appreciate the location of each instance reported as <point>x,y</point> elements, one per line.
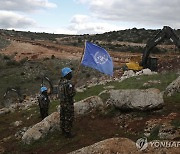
<point>66,94</point>
<point>44,101</point>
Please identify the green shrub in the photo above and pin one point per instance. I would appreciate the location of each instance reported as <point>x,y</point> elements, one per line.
<point>7,57</point>
<point>12,63</point>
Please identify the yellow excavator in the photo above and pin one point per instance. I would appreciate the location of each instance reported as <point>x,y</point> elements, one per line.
<point>137,63</point>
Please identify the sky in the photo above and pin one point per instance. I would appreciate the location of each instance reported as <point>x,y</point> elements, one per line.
<point>88,16</point>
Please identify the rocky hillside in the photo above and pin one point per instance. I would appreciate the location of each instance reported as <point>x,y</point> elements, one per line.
<point>99,116</point>
<point>117,40</point>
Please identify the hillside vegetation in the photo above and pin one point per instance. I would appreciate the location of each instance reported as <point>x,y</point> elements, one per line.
<point>93,127</point>
<point>110,40</point>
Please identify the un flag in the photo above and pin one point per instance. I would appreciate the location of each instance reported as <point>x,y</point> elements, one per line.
<point>97,58</point>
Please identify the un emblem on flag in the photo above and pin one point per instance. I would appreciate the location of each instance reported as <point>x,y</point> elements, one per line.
<point>100,58</point>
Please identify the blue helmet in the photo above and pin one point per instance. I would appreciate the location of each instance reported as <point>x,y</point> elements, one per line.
<point>65,71</point>
<point>43,89</point>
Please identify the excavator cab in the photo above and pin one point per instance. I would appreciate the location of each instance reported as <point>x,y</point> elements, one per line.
<point>152,63</point>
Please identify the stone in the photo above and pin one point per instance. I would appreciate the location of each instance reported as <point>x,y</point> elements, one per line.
<point>146,71</point>
<point>87,105</point>
<point>109,87</point>
<point>110,146</point>
<point>151,82</point>
<point>21,132</point>
<point>169,132</point>
<point>4,111</point>
<point>125,146</point>
<point>17,123</point>
<point>136,99</point>
<point>6,139</point>
<point>129,73</point>
<point>173,87</point>
<point>42,128</point>
<point>51,122</point>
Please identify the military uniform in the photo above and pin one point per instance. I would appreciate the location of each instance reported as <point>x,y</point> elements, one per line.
<point>43,105</point>
<point>66,94</point>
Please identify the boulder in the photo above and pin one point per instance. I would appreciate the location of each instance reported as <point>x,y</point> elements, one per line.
<point>127,146</point>
<point>110,146</point>
<point>39,130</point>
<point>173,87</point>
<point>147,71</point>
<point>51,122</point>
<point>87,105</point>
<point>136,99</point>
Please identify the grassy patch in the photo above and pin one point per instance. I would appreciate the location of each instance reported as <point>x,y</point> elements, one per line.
<point>176,123</point>
<point>131,83</point>
<point>53,106</point>
<point>104,97</point>
<point>89,92</point>
<point>173,99</point>
<point>154,133</point>
<point>137,82</point>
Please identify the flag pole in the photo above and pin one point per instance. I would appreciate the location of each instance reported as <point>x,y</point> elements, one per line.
<point>79,66</point>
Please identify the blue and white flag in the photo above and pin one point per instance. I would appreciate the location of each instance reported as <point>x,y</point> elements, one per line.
<point>97,58</point>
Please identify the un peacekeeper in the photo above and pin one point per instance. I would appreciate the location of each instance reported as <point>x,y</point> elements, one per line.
<point>66,94</point>
<point>44,101</point>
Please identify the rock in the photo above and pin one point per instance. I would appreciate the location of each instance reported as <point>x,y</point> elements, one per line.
<point>6,139</point>
<point>103,92</point>
<point>137,99</point>
<point>131,73</point>
<point>80,90</point>
<point>173,87</point>
<point>39,130</point>
<point>87,105</point>
<point>151,82</point>
<point>4,111</point>
<point>139,73</point>
<point>17,123</point>
<point>127,146</point>
<point>110,146</point>
<point>146,71</point>
<point>51,122</point>
<point>164,126</point>
<point>128,74</point>
<point>146,84</point>
<point>21,132</point>
<point>169,132</point>
<point>109,87</point>
<point>25,105</point>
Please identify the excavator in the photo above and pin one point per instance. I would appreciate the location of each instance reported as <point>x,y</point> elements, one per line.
<point>151,62</point>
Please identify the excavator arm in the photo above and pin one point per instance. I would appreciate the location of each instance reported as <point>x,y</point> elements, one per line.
<point>166,33</point>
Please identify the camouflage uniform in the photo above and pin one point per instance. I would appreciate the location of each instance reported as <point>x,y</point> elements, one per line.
<point>43,105</point>
<point>66,94</point>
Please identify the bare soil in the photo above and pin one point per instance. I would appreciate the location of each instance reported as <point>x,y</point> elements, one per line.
<point>39,50</point>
